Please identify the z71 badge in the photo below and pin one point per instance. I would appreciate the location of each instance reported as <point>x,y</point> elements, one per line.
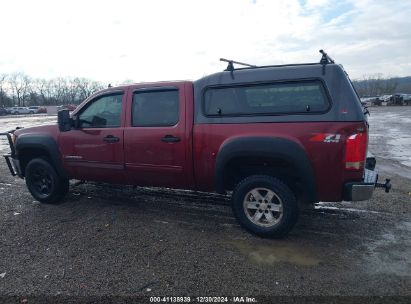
<point>327,138</point>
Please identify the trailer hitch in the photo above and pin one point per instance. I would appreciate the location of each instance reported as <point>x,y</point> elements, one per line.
<point>386,186</point>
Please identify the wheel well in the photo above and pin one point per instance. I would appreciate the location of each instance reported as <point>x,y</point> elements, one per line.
<point>27,155</point>
<point>239,168</point>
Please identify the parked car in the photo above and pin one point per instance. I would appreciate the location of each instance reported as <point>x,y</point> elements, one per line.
<point>37,109</point>
<point>397,99</point>
<point>385,98</point>
<point>406,98</point>
<point>277,137</point>
<point>370,101</point>
<point>21,110</point>
<point>42,110</point>
<point>3,111</point>
<point>69,107</point>
<point>34,109</point>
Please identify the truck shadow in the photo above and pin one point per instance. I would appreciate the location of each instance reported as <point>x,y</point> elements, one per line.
<point>102,214</point>
<point>209,211</point>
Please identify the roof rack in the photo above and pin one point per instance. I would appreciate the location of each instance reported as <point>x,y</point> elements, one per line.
<point>230,66</point>
<point>325,59</point>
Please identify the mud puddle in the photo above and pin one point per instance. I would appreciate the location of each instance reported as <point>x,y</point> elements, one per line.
<point>391,253</point>
<point>277,253</point>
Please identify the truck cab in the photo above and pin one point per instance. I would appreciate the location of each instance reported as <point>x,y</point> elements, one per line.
<point>141,133</point>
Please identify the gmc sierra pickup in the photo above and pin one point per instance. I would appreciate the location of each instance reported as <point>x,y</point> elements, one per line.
<point>277,137</point>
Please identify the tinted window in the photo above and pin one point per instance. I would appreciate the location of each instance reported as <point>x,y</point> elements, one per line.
<point>266,99</point>
<point>104,112</point>
<point>156,108</point>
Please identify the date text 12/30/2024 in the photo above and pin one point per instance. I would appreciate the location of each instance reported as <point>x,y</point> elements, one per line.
<point>202,300</point>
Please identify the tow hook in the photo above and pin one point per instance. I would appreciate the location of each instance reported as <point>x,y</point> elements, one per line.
<point>386,186</point>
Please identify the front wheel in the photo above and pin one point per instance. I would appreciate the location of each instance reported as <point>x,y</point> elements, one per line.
<point>44,183</point>
<point>265,206</point>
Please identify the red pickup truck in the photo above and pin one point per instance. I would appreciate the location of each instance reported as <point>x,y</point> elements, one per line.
<point>276,136</point>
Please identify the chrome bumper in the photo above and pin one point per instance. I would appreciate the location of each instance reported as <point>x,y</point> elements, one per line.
<point>361,191</point>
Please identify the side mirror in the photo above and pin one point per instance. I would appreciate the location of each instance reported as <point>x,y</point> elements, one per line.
<point>64,121</point>
<point>76,122</point>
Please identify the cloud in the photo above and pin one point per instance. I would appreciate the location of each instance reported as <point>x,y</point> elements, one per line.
<point>158,40</point>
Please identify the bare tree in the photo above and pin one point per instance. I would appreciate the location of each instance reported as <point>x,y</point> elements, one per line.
<point>44,88</point>
<point>3,79</point>
<point>390,85</point>
<point>375,85</point>
<point>87,87</point>
<point>72,90</point>
<point>63,90</point>
<point>59,86</point>
<point>20,86</point>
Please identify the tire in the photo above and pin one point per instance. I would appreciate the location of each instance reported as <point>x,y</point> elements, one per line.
<point>265,206</point>
<point>43,182</point>
<point>31,112</point>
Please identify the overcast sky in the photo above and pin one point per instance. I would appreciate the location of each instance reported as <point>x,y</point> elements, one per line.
<point>152,40</point>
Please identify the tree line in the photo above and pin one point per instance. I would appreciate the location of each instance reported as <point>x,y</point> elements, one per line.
<point>21,90</point>
<point>376,85</point>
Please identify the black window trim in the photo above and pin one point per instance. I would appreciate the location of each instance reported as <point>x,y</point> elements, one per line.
<point>154,90</point>
<point>261,83</point>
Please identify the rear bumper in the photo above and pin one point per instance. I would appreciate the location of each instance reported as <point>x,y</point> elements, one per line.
<point>361,191</point>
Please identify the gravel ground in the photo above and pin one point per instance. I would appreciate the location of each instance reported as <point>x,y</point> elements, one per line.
<point>106,240</point>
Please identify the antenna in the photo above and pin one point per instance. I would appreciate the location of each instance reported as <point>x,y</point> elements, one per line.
<point>230,66</point>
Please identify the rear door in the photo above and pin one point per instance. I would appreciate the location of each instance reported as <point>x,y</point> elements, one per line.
<point>94,149</point>
<point>155,140</point>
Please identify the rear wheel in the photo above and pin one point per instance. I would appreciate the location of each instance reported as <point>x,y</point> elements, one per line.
<point>44,183</point>
<point>265,206</point>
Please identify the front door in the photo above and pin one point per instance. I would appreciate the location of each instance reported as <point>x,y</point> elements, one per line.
<point>94,149</point>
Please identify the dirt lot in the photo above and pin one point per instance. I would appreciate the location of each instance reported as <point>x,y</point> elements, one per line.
<point>119,241</point>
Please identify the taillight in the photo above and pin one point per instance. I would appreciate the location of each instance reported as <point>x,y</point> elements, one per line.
<point>355,151</point>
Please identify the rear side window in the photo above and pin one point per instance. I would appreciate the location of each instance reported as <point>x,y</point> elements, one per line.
<point>266,99</point>
<point>155,108</point>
